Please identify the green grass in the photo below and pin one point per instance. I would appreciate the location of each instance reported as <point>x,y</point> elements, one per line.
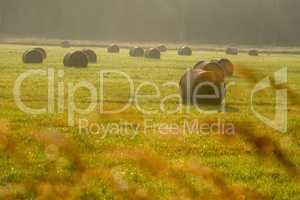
<point>236,160</point>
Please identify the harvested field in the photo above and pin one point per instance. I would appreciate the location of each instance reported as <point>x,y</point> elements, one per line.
<point>151,150</point>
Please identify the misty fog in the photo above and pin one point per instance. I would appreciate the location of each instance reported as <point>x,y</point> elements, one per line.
<point>270,22</point>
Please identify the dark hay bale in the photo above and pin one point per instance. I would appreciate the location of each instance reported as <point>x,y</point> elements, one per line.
<point>65,44</point>
<point>91,55</point>
<point>199,82</point>
<point>76,59</point>
<point>185,51</point>
<point>43,51</point>
<point>212,67</point>
<point>253,52</point>
<point>33,56</point>
<point>152,53</point>
<point>232,51</point>
<point>113,48</point>
<point>136,52</point>
<point>162,48</point>
<point>227,66</point>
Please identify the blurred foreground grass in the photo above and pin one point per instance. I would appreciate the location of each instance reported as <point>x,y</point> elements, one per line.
<point>42,158</point>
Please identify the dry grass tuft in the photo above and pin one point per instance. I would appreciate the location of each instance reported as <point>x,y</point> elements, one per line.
<point>4,137</point>
<point>254,78</point>
<point>55,143</point>
<point>225,191</point>
<point>5,193</point>
<point>162,169</point>
<point>267,147</point>
<point>249,74</point>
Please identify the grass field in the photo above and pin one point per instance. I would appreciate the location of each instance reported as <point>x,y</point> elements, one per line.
<point>42,158</point>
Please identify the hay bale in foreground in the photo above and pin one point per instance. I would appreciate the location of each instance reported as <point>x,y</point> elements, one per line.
<point>136,52</point>
<point>162,48</point>
<point>212,67</point>
<point>43,51</point>
<point>152,53</point>
<point>232,51</point>
<point>253,52</point>
<point>76,59</point>
<point>65,44</point>
<point>33,56</point>
<point>185,51</point>
<point>91,55</point>
<point>113,48</point>
<point>197,82</point>
<point>227,65</point>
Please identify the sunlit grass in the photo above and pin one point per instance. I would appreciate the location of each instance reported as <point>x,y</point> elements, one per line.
<point>42,158</point>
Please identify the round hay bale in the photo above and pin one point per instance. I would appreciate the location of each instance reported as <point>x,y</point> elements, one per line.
<point>33,56</point>
<point>136,52</point>
<point>113,48</point>
<point>76,59</point>
<point>162,48</point>
<point>91,55</point>
<point>65,44</point>
<point>43,51</point>
<point>212,67</point>
<point>232,51</point>
<point>227,65</point>
<point>253,52</point>
<point>199,82</point>
<point>152,53</point>
<point>185,51</point>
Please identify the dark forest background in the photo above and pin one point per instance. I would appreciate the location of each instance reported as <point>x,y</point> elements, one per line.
<point>270,22</point>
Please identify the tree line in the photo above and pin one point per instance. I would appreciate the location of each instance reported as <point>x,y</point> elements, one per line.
<point>263,22</point>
